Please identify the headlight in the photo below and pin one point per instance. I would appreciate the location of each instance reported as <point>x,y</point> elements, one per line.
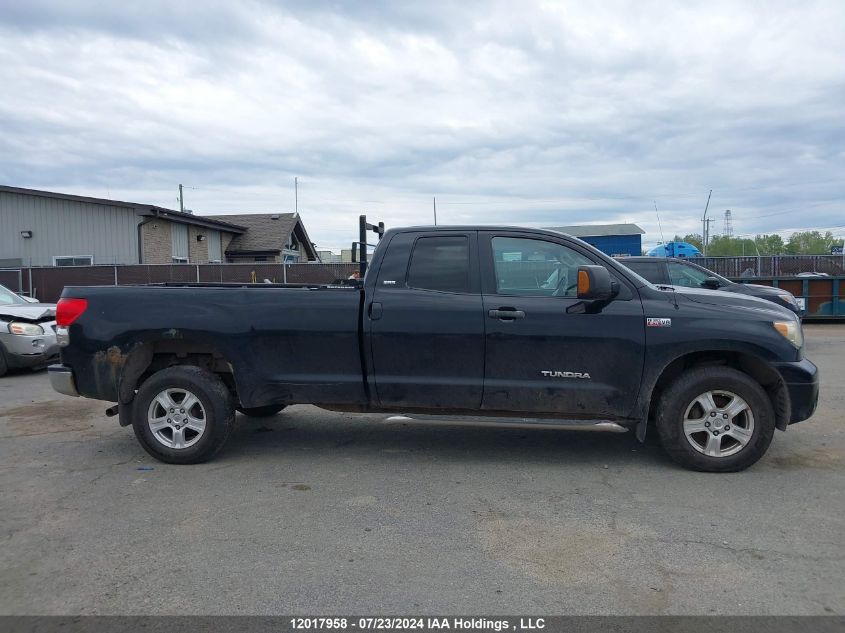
<point>25,329</point>
<point>788,298</point>
<point>791,331</point>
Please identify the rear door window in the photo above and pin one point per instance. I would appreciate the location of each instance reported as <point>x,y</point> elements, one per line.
<point>440,263</point>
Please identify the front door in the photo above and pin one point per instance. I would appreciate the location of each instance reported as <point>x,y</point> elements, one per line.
<point>426,322</point>
<point>543,354</point>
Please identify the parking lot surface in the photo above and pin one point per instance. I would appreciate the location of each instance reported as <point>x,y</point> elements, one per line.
<point>317,512</point>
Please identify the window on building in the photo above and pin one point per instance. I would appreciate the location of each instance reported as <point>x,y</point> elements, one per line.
<point>531,267</point>
<point>180,260</point>
<point>213,241</point>
<point>73,260</point>
<point>440,263</point>
<point>179,241</point>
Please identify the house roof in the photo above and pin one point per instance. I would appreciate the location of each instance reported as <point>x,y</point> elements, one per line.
<point>598,230</point>
<point>267,233</point>
<point>140,209</point>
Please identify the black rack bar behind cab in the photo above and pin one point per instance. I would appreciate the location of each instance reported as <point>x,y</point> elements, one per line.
<point>363,227</point>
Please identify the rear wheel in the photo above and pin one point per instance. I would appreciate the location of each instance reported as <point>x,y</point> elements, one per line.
<point>715,419</point>
<point>261,412</point>
<point>183,415</point>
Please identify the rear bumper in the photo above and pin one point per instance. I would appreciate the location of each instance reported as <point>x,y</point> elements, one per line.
<point>802,385</point>
<point>61,379</point>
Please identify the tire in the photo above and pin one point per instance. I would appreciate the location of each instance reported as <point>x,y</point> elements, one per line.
<point>4,366</point>
<point>693,428</point>
<point>203,426</point>
<point>261,412</point>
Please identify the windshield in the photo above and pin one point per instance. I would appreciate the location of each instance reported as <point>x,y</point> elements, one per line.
<point>9,298</point>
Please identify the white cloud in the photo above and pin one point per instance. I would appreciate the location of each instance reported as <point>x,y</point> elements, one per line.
<point>530,113</point>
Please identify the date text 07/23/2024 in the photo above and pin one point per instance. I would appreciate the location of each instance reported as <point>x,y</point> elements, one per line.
<point>416,623</point>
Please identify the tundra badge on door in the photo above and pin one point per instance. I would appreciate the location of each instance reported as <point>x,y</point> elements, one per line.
<point>548,373</point>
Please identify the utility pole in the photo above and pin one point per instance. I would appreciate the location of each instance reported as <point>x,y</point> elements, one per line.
<point>296,195</point>
<point>705,224</point>
<point>181,200</point>
<point>434,200</point>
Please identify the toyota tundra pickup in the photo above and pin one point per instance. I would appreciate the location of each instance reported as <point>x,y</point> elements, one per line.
<point>459,324</point>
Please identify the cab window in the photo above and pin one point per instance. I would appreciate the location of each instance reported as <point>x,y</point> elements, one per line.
<point>530,267</point>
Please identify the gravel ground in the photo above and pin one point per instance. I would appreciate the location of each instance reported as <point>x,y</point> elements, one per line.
<point>317,512</point>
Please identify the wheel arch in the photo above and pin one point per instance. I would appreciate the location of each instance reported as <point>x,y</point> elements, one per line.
<point>748,363</point>
<point>149,357</point>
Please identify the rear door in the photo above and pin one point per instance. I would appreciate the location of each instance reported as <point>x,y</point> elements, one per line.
<point>544,352</point>
<point>426,322</point>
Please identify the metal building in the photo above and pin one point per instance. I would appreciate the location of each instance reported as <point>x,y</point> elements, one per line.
<point>45,228</point>
<point>616,240</point>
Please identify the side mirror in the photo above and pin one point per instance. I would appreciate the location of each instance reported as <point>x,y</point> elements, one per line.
<point>595,284</point>
<point>712,282</point>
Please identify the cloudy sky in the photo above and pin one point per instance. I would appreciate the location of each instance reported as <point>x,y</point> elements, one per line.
<point>530,113</point>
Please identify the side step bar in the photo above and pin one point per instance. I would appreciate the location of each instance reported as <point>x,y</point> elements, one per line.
<point>511,423</point>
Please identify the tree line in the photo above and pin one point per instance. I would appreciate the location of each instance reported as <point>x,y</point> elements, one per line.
<point>800,243</point>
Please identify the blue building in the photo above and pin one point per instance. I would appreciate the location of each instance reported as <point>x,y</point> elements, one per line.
<point>616,240</point>
<point>674,249</point>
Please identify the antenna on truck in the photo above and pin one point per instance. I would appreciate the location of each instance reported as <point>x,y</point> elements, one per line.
<point>363,228</point>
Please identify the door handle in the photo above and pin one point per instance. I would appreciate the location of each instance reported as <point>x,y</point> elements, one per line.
<point>375,311</point>
<point>506,314</point>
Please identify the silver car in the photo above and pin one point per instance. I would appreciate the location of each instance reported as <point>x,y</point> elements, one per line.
<point>27,332</point>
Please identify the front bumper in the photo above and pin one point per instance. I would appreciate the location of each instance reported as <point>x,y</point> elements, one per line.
<point>802,385</point>
<point>61,379</point>
<point>30,351</point>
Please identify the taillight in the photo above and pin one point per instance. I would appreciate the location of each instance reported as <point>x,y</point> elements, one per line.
<point>69,310</point>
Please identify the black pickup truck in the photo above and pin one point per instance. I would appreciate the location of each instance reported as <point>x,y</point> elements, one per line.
<point>472,324</point>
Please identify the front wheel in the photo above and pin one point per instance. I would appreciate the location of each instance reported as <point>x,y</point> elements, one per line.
<point>715,419</point>
<point>183,415</point>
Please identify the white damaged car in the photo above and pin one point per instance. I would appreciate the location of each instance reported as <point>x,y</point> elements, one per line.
<point>27,332</point>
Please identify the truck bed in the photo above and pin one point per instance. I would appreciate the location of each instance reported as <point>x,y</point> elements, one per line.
<point>284,342</point>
